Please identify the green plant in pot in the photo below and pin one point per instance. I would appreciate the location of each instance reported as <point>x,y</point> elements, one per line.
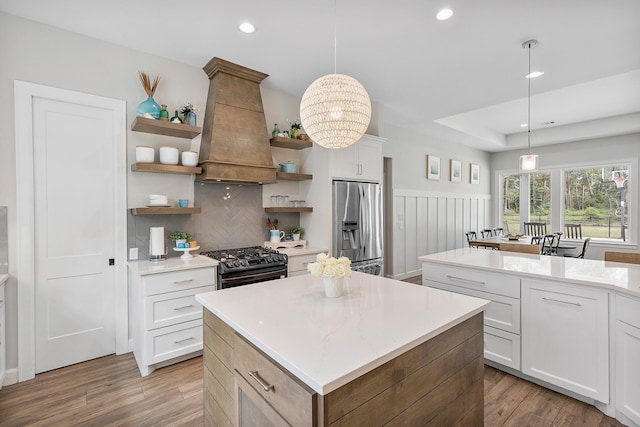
<point>180,238</point>
<point>296,232</point>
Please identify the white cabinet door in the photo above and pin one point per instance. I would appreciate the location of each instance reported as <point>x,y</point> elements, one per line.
<point>565,337</point>
<point>628,357</point>
<point>361,161</point>
<point>344,162</point>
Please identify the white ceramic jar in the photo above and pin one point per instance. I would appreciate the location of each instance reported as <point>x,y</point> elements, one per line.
<point>169,155</point>
<point>189,158</point>
<point>145,154</point>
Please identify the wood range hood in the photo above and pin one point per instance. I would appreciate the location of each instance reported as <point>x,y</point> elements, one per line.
<point>235,140</point>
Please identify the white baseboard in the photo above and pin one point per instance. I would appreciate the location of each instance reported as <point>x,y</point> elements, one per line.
<point>10,377</point>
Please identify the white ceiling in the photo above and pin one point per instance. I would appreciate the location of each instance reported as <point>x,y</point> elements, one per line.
<point>460,80</point>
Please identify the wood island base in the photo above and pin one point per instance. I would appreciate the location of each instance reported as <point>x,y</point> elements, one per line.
<point>439,382</point>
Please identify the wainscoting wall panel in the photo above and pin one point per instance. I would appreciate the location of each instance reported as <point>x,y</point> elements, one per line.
<point>430,222</point>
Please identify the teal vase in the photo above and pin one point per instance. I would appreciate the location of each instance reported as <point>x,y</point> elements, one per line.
<point>149,106</point>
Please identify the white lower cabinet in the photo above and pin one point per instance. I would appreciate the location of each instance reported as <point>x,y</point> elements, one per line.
<point>501,317</point>
<point>565,337</point>
<point>628,357</point>
<point>3,346</point>
<point>167,320</point>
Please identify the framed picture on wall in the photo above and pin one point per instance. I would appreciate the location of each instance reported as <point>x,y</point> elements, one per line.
<point>474,173</point>
<point>455,170</point>
<point>433,167</point>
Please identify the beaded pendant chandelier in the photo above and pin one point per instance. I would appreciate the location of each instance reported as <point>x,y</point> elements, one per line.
<point>335,109</point>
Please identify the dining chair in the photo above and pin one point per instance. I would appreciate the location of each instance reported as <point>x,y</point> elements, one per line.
<point>550,244</point>
<point>498,232</point>
<point>516,247</point>
<point>471,235</point>
<point>487,232</point>
<point>628,257</point>
<point>585,245</point>
<point>535,228</point>
<point>536,240</point>
<point>573,231</point>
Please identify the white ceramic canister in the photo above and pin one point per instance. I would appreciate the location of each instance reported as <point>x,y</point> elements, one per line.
<point>189,158</point>
<point>145,154</point>
<point>169,155</point>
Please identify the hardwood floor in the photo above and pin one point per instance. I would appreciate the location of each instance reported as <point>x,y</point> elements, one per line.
<point>109,391</point>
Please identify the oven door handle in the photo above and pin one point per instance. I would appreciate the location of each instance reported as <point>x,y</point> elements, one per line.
<point>266,275</point>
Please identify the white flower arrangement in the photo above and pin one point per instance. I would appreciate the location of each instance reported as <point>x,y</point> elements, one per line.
<point>326,266</point>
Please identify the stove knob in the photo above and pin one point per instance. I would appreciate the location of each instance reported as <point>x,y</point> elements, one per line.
<point>245,263</point>
<point>237,263</point>
<point>229,264</point>
<point>282,257</point>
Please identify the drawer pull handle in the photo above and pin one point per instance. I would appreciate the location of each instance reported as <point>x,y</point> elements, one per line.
<point>184,340</point>
<point>477,282</point>
<point>182,281</point>
<point>183,307</point>
<point>254,375</point>
<point>577,304</point>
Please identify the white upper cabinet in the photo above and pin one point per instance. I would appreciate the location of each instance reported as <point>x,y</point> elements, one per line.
<point>360,161</point>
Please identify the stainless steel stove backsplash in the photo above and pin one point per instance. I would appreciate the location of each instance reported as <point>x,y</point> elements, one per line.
<point>232,217</point>
<point>4,241</point>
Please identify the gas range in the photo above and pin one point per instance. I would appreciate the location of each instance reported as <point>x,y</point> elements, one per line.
<point>242,266</point>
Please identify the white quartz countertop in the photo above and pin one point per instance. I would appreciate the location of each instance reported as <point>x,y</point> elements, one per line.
<point>143,267</point>
<point>302,251</point>
<point>328,342</point>
<point>3,278</point>
<point>603,274</point>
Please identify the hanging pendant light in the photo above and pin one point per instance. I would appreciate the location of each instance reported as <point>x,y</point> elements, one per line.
<point>335,109</point>
<point>529,162</point>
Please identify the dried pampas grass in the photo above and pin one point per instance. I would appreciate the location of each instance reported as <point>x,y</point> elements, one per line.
<point>149,88</point>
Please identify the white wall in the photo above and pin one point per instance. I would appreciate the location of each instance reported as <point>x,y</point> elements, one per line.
<point>614,149</point>
<point>428,215</point>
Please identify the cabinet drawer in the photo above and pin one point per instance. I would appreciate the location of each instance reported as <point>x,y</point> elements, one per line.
<point>503,312</point>
<point>173,341</point>
<point>299,263</point>
<point>500,284</point>
<point>502,347</point>
<point>171,308</point>
<point>290,398</point>
<point>177,280</point>
<point>628,310</point>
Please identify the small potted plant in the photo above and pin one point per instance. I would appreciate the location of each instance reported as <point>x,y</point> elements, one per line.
<point>296,232</point>
<point>294,133</point>
<point>180,238</point>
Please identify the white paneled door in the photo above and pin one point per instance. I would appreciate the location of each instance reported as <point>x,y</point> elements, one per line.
<point>74,236</point>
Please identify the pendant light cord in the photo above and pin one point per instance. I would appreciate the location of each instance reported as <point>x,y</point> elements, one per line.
<point>529,108</point>
<point>335,37</point>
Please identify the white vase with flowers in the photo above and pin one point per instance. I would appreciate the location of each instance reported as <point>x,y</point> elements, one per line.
<point>333,271</point>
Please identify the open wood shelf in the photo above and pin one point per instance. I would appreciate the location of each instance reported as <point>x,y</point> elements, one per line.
<point>164,211</point>
<point>295,144</point>
<point>287,210</point>
<point>293,176</point>
<point>155,167</point>
<point>162,127</point>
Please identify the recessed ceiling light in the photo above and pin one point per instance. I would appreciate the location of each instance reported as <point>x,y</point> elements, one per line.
<point>524,125</point>
<point>246,27</point>
<point>444,14</point>
<point>534,74</point>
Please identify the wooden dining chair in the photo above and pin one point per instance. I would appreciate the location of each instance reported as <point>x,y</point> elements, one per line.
<point>550,243</point>
<point>535,228</point>
<point>628,257</point>
<point>517,247</point>
<point>573,231</point>
<point>487,232</point>
<point>585,245</point>
<point>471,235</point>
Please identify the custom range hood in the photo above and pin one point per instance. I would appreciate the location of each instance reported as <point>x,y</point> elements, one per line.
<point>235,141</point>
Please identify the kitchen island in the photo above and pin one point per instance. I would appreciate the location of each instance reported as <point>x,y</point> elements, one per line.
<point>385,352</point>
<point>569,324</point>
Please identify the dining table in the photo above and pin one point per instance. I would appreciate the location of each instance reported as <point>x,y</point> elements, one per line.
<point>494,242</point>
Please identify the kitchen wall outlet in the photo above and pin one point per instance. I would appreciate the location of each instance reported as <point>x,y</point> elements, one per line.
<point>133,253</point>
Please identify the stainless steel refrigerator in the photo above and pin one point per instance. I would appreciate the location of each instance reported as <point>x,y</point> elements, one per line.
<point>357,222</point>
